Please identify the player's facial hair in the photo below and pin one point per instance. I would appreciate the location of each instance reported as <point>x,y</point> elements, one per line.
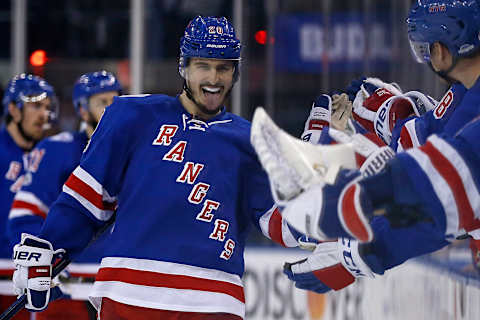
<point>25,135</point>
<point>201,106</point>
<point>91,120</point>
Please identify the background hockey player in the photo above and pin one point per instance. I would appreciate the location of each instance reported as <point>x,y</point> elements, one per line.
<point>186,185</point>
<point>56,158</point>
<point>28,105</point>
<point>430,193</point>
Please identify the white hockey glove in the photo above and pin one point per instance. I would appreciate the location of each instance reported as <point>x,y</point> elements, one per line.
<point>327,111</point>
<point>332,265</point>
<point>33,258</point>
<point>293,165</point>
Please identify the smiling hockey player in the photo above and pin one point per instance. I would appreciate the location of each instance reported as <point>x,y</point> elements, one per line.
<point>186,185</point>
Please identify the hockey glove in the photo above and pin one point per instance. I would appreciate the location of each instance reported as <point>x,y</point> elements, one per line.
<point>378,106</point>
<point>326,111</point>
<point>326,211</point>
<point>294,166</point>
<point>333,265</point>
<point>33,258</point>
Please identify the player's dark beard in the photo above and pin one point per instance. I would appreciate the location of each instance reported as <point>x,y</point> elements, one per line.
<point>201,106</point>
<point>91,120</point>
<point>24,135</point>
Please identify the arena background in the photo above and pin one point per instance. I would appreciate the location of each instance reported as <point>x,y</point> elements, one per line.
<point>293,50</point>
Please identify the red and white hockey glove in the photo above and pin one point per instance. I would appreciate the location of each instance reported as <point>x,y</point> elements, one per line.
<point>379,105</point>
<point>332,265</point>
<point>33,258</point>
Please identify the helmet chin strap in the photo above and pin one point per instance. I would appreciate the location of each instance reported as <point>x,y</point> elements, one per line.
<point>444,73</point>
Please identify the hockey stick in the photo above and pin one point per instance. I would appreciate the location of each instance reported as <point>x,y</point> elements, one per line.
<point>20,303</point>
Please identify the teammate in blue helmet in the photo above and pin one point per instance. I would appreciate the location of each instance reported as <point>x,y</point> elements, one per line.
<point>92,93</point>
<point>209,60</point>
<point>29,103</point>
<point>429,191</point>
<point>441,33</point>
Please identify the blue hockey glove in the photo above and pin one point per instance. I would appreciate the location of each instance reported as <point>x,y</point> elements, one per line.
<point>33,258</point>
<point>327,211</point>
<point>332,265</point>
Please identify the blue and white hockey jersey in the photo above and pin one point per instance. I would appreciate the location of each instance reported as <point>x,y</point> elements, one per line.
<point>413,132</point>
<point>442,178</point>
<point>55,159</point>
<point>187,191</point>
<point>13,160</point>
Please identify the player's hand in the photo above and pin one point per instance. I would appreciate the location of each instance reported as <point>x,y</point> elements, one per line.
<point>332,265</point>
<point>33,258</point>
<point>475,247</point>
<point>328,211</point>
<point>326,111</point>
<point>378,106</point>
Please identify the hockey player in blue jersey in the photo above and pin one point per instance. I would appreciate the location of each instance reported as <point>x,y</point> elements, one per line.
<point>186,186</point>
<point>27,107</point>
<point>92,93</point>
<point>429,194</point>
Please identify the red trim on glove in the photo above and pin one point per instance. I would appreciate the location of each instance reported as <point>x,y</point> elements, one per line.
<point>275,228</point>
<point>38,271</point>
<point>352,215</point>
<point>317,124</point>
<point>335,277</point>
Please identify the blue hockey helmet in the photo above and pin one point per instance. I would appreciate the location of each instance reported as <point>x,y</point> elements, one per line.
<point>93,83</point>
<point>209,37</point>
<point>29,88</point>
<point>454,23</point>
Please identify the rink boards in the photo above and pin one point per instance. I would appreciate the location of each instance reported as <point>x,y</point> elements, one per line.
<point>421,289</point>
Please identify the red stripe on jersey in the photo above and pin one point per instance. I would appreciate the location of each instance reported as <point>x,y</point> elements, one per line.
<point>6,272</point>
<point>352,215</point>
<point>275,227</point>
<point>335,277</point>
<point>156,279</point>
<point>466,217</point>
<point>88,193</point>
<point>35,210</point>
<point>405,139</point>
<point>113,310</point>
